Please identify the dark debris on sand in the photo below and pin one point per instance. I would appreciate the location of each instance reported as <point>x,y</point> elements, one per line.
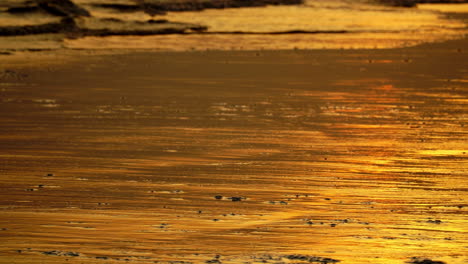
<point>61,253</point>
<point>72,29</point>
<point>67,8</point>
<point>412,3</point>
<point>292,258</point>
<point>416,260</point>
<point>311,259</point>
<point>66,25</point>
<point>63,8</point>
<point>215,260</point>
<point>20,10</point>
<point>156,7</point>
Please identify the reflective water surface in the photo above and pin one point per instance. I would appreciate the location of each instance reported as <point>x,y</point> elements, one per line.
<point>237,157</point>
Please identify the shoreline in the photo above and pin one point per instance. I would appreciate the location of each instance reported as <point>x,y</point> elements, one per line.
<point>54,57</point>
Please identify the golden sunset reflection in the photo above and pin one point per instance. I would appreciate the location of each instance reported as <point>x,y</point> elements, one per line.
<point>319,133</point>
<point>307,162</point>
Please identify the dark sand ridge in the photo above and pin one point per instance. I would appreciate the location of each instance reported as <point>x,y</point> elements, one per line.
<point>412,3</point>
<point>236,157</point>
<point>104,27</point>
<point>78,22</point>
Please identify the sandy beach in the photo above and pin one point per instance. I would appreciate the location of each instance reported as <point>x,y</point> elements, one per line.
<point>316,156</point>
<point>136,155</point>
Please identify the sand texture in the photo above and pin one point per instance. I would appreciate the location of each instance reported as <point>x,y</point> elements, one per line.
<point>325,156</point>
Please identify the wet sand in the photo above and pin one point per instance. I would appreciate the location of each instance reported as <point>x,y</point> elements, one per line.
<point>317,156</point>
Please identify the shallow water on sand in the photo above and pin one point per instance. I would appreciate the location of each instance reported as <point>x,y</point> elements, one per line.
<point>237,157</point>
